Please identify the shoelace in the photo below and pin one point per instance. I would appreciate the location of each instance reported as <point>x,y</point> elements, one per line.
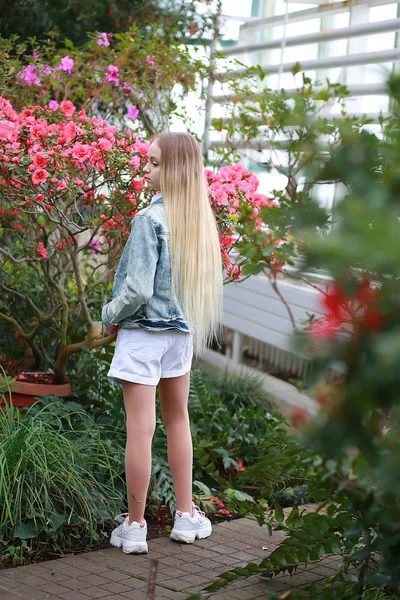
<point>121,515</point>
<point>200,513</point>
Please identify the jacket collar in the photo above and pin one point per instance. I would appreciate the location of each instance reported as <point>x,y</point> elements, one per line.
<point>157,199</point>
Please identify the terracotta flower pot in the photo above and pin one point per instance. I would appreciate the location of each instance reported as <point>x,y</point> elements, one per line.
<point>26,393</point>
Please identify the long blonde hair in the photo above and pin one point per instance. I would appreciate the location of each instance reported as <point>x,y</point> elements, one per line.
<point>195,249</point>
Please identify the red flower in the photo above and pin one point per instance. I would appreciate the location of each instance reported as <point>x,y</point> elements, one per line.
<point>240,463</point>
<point>225,512</point>
<point>41,250</point>
<point>40,160</point>
<point>39,176</point>
<point>68,108</point>
<point>299,418</point>
<point>333,301</point>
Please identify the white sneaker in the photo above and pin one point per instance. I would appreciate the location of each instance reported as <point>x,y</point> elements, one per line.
<point>187,527</point>
<point>131,537</point>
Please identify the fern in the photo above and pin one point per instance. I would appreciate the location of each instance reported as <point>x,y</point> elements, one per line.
<point>311,536</point>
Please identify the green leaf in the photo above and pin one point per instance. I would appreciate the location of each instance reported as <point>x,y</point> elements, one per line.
<point>250,269</point>
<point>26,530</point>
<point>279,515</point>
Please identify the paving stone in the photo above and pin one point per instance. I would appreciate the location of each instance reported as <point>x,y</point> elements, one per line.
<point>139,595</point>
<point>115,597</point>
<point>225,562</point>
<point>175,584</point>
<point>24,590</point>
<point>118,588</point>
<point>22,572</point>
<point>96,592</point>
<point>222,549</point>
<point>111,575</point>
<point>134,569</point>
<point>73,596</point>
<point>86,565</point>
<point>247,593</point>
<point>323,570</point>
<point>4,595</point>
<point>181,570</point>
<point>134,583</point>
<point>54,565</point>
<point>173,561</point>
<point>199,578</point>
<point>222,596</point>
<point>54,588</point>
<point>94,579</point>
<point>75,584</point>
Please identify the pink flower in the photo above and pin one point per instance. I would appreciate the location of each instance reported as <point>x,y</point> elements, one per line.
<point>135,162</point>
<point>95,158</point>
<point>39,176</point>
<point>81,152</point>
<point>6,110</point>
<point>112,75</point>
<point>78,182</point>
<point>94,246</point>
<point>67,64</point>
<point>126,87</point>
<point>68,108</point>
<point>53,105</point>
<point>41,250</point>
<point>232,173</point>
<point>221,197</point>
<point>233,272</point>
<point>40,160</point>
<point>104,144</point>
<point>46,70</point>
<point>30,76</point>
<point>132,112</point>
<point>150,61</point>
<point>141,147</point>
<point>40,197</point>
<point>8,131</point>
<point>61,185</point>
<point>225,512</point>
<point>103,40</point>
<point>68,133</point>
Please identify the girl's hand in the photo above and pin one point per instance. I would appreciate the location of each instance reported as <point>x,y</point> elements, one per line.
<point>111,330</point>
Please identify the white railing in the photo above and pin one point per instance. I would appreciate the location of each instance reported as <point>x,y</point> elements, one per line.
<point>255,317</point>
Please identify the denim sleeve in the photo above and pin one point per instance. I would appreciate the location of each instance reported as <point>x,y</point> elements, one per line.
<point>141,268</point>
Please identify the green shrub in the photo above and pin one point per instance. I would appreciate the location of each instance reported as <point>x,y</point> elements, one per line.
<point>60,483</point>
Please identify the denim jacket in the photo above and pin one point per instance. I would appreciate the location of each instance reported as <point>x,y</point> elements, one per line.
<point>142,294</point>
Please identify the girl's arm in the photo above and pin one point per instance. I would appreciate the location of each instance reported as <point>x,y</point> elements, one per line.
<point>139,283</point>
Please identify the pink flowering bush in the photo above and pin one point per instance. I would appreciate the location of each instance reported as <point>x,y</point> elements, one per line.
<point>69,187</point>
<point>134,75</point>
<point>248,245</point>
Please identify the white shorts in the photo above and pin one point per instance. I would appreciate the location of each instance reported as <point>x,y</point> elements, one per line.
<point>145,356</point>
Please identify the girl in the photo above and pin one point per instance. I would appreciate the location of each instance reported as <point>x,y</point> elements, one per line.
<point>167,303</point>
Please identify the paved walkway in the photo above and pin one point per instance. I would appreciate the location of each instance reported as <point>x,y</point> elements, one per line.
<point>181,570</point>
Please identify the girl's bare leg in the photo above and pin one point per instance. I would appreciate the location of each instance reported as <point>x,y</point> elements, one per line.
<point>140,411</point>
<point>174,394</point>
